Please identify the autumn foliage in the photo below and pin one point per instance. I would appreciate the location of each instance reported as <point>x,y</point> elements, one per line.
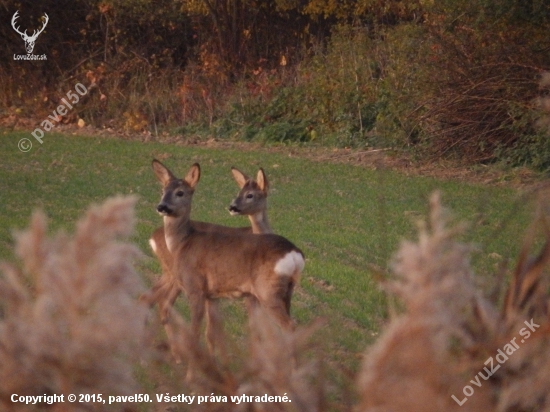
<point>456,79</point>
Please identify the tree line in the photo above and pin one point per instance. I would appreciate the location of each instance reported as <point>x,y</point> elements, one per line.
<point>438,77</point>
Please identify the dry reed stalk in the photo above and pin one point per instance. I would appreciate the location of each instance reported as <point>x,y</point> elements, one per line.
<point>448,332</point>
<point>275,364</point>
<point>70,322</point>
<point>69,318</point>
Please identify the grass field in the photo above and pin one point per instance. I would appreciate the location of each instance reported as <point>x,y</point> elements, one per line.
<point>347,219</point>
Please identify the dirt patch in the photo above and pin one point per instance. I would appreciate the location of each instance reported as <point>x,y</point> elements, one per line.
<point>375,159</point>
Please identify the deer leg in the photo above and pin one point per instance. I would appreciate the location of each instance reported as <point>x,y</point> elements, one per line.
<point>214,330</point>
<point>275,298</point>
<point>277,308</point>
<point>154,294</point>
<point>288,296</point>
<point>252,304</point>
<point>164,292</point>
<point>166,295</point>
<point>197,303</point>
<point>168,301</point>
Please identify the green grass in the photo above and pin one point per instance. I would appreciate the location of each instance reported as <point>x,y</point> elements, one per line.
<point>345,218</point>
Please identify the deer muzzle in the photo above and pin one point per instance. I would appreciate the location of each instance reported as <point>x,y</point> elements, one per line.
<point>163,209</point>
<point>233,209</point>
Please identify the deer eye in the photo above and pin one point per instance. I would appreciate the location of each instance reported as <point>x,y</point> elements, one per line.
<point>179,193</point>
<point>249,196</point>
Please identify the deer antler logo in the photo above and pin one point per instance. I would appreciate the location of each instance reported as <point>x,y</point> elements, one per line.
<point>29,40</point>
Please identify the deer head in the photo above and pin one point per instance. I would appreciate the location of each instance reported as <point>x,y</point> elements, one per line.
<point>29,40</point>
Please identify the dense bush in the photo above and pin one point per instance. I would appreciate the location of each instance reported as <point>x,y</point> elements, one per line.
<point>465,81</point>
<point>330,97</point>
<point>448,78</point>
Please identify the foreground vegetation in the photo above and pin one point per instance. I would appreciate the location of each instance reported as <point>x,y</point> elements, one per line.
<point>348,220</point>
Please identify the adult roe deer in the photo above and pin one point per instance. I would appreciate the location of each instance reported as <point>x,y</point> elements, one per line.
<point>251,201</point>
<point>210,265</point>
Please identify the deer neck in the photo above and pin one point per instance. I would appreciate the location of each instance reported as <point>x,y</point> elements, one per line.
<point>176,230</point>
<point>260,223</point>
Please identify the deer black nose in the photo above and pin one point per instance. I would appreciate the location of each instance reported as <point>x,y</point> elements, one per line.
<point>233,209</point>
<point>163,209</point>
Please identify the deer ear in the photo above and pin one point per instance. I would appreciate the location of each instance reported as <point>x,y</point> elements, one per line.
<point>262,181</point>
<point>163,174</point>
<point>239,177</point>
<point>193,175</point>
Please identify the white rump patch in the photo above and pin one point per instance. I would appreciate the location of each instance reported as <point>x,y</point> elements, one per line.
<point>291,263</point>
<point>153,245</point>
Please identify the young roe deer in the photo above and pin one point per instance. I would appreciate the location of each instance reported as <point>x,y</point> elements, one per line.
<point>210,265</point>
<point>251,201</point>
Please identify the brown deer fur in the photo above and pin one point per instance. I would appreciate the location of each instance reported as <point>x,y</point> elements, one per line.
<point>211,265</point>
